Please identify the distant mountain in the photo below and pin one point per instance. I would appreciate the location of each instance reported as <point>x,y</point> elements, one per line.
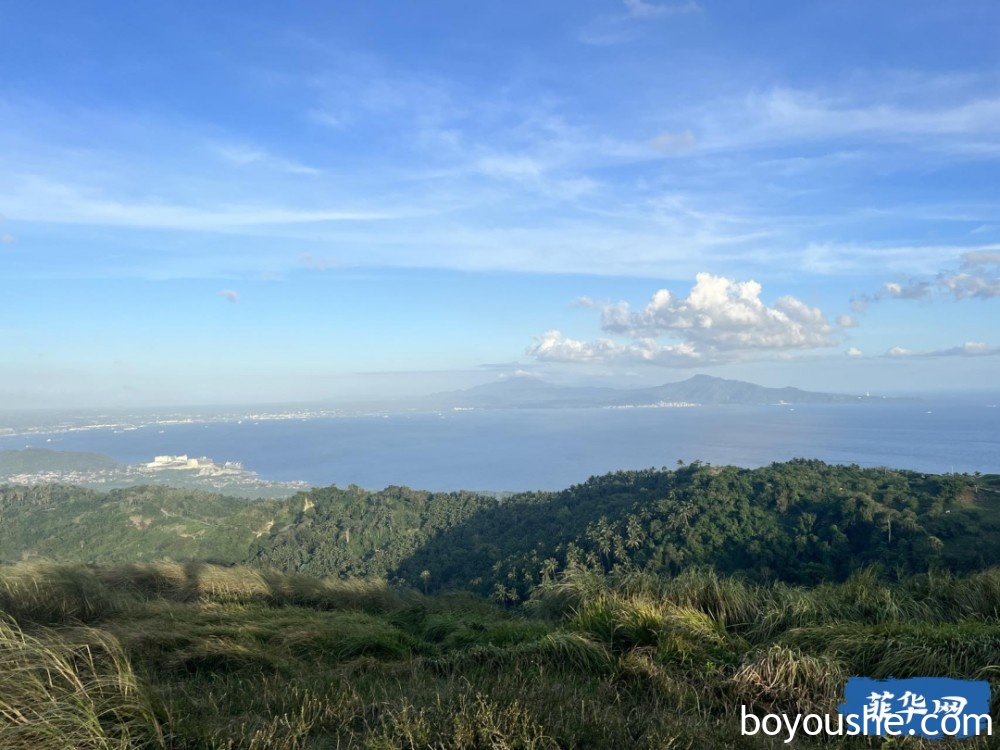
<point>520,393</point>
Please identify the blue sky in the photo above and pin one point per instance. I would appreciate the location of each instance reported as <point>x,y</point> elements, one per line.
<point>235,202</point>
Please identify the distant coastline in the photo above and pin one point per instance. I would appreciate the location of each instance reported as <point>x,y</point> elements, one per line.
<point>515,393</point>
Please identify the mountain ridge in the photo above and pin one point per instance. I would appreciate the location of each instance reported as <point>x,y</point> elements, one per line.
<point>698,390</point>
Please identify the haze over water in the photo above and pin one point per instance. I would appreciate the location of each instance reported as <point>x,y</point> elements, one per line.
<point>547,449</point>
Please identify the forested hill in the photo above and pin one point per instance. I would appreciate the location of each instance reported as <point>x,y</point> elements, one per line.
<point>801,521</point>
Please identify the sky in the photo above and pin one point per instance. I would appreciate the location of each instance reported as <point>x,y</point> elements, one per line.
<point>251,202</point>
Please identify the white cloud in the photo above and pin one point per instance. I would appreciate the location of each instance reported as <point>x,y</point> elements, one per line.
<point>796,113</point>
<point>720,320</point>
<point>968,349</point>
<point>721,313</point>
<point>552,346</point>
<point>846,321</point>
<point>854,352</point>
<point>242,155</point>
<point>971,286</point>
<point>7,239</point>
<point>63,203</point>
<point>974,282</point>
<point>230,295</point>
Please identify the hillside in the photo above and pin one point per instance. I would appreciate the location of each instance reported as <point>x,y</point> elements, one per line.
<point>605,626</point>
<point>800,521</point>
<point>61,522</point>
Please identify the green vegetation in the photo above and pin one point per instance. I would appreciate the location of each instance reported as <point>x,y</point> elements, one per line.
<point>801,522</point>
<point>200,656</point>
<point>639,609</point>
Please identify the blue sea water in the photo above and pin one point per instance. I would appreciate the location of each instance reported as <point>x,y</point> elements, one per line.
<point>554,448</point>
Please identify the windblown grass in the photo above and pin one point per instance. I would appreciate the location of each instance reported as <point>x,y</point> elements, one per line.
<point>192,656</point>
<point>71,690</point>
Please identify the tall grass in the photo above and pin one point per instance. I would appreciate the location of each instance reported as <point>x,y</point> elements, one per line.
<point>51,593</point>
<point>76,690</point>
<point>191,656</point>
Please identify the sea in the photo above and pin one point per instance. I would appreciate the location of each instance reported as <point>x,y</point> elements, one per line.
<point>548,449</point>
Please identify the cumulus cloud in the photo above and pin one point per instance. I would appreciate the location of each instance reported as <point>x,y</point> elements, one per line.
<point>722,313</point>
<point>846,321</point>
<point>719,320</point>
<point>979,277</point>
<point>552,346</point>
<point>854,352</point>
<point>898,351</point>
<point>230,295</point>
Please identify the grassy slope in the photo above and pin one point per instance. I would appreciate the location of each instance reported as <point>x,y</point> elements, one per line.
<point>197,656</point>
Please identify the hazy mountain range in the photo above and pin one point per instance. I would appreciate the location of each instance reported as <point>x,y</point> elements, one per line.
<point>526,392</point>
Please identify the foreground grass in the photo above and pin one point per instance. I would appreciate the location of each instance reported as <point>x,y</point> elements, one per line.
<point>198,656</point>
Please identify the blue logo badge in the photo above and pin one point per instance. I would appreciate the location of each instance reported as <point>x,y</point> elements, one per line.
<point>929,707</point>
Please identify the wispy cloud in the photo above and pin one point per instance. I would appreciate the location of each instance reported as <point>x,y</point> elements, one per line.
<point>318,263</point>
<point>41,200</point>
<point>613,29</point>
<point>242,156</point>
<point>643,9</point>
<point>674,143</point>
<point>7,239</point>
<point>968,349</point>
<point>978,277</point>
<point>229,295</point>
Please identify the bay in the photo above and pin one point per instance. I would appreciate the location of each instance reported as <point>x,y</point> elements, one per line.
<point>547,449</point>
